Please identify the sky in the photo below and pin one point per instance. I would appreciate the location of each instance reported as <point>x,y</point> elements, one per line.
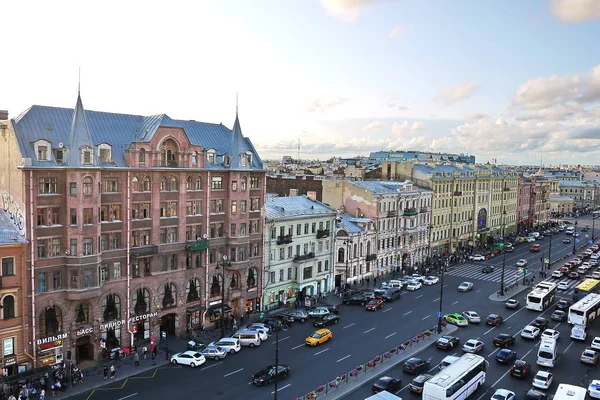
<point>511,82</point>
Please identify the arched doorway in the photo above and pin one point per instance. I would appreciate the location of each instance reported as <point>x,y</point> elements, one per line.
<point>84,349</point>
<point>168,323</point>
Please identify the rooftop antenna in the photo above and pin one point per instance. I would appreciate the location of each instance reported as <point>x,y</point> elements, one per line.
<point>79,82</point>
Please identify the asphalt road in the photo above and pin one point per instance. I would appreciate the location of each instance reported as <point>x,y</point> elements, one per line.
<point>358,337</point>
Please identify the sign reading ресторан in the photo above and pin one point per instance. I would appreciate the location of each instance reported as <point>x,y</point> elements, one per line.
<point>120,322</point>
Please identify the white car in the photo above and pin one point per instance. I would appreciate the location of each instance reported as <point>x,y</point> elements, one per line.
<point>231,345</point>
<point>596,343</point>
<point>190,357</point>
<point>473,346</point>
<point>503,394</point>
<point>472,317</point>
<point>431,280</point>
<point>563,286</point>
<point>578,332</point>
<point>530,239</point>
<point>414,285</point>
<point>417,277</point>
<point>596,275</point>
<point>263,334</point>
<point>465,286</point>
<point>594,389</point>
<point>542,380</point>
<point>551,334</point>
<point>522,262</point>
<point>478,257</point>
<point>557,274</point>
<point>530,332</point>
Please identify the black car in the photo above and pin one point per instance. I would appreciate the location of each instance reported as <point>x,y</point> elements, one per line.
<point>447,342</point>
<point>503,340</point>
<point>357,299</point>
<point>494,320</point>
<point>326,320</point>
<point>416,366</point>
<point>487,269</point>
<point>534,395</point>
<point>559,316</point>
<point>270,374</point>
<point>391,295</point>
<point>563,304</point>
<point>332,309</point>
<point>388,384</point>
<point>287,319</point>
<point>506,356</point>
<point>273,324</point>
<point>541,323</point>
<point>520,369</point>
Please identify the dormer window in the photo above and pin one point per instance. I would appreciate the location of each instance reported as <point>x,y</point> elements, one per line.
<point>86,155</point>
<point>226,160</point>
<point>104,152</point>
<point>142,156</point>
<point>243,160</point>
<point>41,149</point>
<point>195,158</point>
<point>210,156</point>
<point>60,155</point>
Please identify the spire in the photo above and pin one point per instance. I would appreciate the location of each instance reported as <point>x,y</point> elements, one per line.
<point>236,146</point>
<point>79,135</point>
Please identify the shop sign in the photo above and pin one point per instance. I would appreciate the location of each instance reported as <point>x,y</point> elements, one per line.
<point>84,331</point>
<point>137,318</point>
<point>51,341</point>
<point>48,360</point>
<point>10,361</point>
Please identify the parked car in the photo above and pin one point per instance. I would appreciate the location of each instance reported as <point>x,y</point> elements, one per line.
<point>299,315</point>
<point>447,342</point>
<point>506,356</point>
<point>214,352</point>
<point>494,320</point>
<point>473,346</point>
<point>270,374</point>
<point>431,280</point>
<point>512,304</point>
<point>357,299</point>
<point>415,366</point>
<point>388,384</point>
<point>520,369</point>
<point>503,340</point>
<point>472,317</point>
<point>190,357</point>
<point>318,312</point>
<point>286,319</point>
<point>231,345</point>
<point>477,257</point>
<point>465,287</point>
<point>326,320</point>
<point>542,380</point>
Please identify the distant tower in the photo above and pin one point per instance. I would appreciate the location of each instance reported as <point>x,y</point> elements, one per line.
<point>298,150</point>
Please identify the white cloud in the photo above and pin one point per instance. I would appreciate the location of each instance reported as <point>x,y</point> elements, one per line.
<point>456,93</point>
<point>373,126</point>
<point>325,104</point>
<point>476,115</point>
<point>348,10</point>
<point>406,128</point>
<point>574,11</point>
<point>400,30</point>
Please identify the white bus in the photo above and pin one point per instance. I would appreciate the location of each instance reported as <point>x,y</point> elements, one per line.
<point>585,310</point>
<point>570,392</point>
<point>548,352</point>
<point>542,296</point>
<point>458,380</point>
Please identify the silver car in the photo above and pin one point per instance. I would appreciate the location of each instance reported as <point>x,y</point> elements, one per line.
<point>230,345</point>
<point>299,315</point>
<point>465,286</point>
<point>472,317</point>
<point>214,352</point>
<point>473,346</point>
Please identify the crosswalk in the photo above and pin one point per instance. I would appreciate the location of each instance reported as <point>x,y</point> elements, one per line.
<point>511,275</point>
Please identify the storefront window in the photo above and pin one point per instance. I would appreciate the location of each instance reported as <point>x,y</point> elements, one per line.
<point>82,313</point>
<point>169,295</point>
<point>51,321</point>
<point>251,276</point>
<point>215,287</point>
<point>234,282</point>
<point>111,308</point>
<point>141,301</point>
<point>192,290</point>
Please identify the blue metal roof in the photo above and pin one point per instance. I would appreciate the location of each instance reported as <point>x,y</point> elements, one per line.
<point>576,183</point>
<point>120,130</point>
<point>386,187</point>
<point>277,208</point>
<point>9,233</point>
<point>350,223</point>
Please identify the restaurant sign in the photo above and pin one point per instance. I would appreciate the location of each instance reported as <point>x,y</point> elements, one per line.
<point>51,342</point>
<point>134,319</point>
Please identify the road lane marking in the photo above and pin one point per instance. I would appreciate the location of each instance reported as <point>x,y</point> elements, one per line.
<point>455,303</point>
<point>210,366</point>
<point>436,367</point>
<point>507,372</point>
<point>389,336</point>
<point>281,388</point>
<point>234,372</point>
<point>406,313</point>
<point>571,344</point>
<point>423,319</point>
<point>387,309</point>
<point>297,347</point>
<point>322,351</point>
<point>418,297</point>
<point>343,358</point>
<point>511,315</point>
<point>348,326</point>
<point>476,293</point>
<point>492,353</point>
<point>372,329</point>
<point>281,340</point>
<point>556,326</point>
<point>480,397</point>
<point>489,330</point>
<point>126,397</point>
<point>438,299</point>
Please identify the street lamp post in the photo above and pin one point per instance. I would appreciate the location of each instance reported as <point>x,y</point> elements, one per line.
<point>224,263</point>
<point>347,243</point>
<point>276,363</point>
<point>444,266</point>
<point>544,265</point>
<point>503,254</point>
<point>574,237</point>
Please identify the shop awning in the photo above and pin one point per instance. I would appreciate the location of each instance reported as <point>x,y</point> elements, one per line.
<point>216,308</point>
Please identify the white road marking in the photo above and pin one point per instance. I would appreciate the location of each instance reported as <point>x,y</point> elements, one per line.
<point>556,326</point>
<point>455,303</point>
<point>210,366</point>
<point>436,367</point>
<point>387,309</point>
<point>234,372</point>
<point>297,347</point>
<point>489,330</point>
<point>438,299</point>
<point>322,351</point>
<point>343,358</point>
<point>281,388</point>
<point>389,336</point>
<point>480,397</point>
<point>281,340</point>
<point>418,297</point>
<point>567,348</point>
<point>476,293</point>
<point>348,326</point>
<point>372,329</point>
<point>511,315</point>
<point>401,390</point>
<point>492,353</point>
<point>406,313</point>
<point>126,397</point>
<point>445,285</point>
<point>424,318</point>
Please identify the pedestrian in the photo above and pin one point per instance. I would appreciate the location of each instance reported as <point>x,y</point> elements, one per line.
<point>112,371</point>
<point>375,281</point>
<point>136,359</point>
<point>42,394</point>
<point>12,397</point>
<point>80,376</point>
<point>153,358</point>
<point>242,318</point>
<point>145,351</point>
<point>105,372</point>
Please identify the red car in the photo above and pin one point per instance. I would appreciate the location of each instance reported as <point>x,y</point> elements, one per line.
<point>374,305</point>
<point>535,248</point>
<point>573,275</point>
<point>564,269</point>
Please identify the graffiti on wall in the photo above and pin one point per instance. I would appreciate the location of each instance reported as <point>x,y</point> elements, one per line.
<point>14,211</point>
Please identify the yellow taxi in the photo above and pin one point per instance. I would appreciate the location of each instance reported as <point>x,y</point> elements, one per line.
<point>320,336</point>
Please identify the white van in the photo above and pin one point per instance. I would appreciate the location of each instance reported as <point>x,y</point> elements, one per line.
<point>570,230</point>
<point>548,352</point>
<point>247,338</point>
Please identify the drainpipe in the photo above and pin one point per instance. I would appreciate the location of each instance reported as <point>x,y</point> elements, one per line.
<point>128,200</point>
<point>207,213</point>
<point>32,255</point>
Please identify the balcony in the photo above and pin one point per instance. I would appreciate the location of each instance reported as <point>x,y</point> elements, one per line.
<point>391,213</point>
<point>304,257</point>
<point>143,251</point>
<point>458,193</point>
<point>198,245</point>
<point>410,212</point>
<point>371,257</point>
<point>322,233</point>
<point>284,239</point>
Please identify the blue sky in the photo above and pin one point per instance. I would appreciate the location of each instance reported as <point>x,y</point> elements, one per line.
<point>511,81</point>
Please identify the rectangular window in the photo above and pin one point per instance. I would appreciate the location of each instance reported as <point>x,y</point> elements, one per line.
<point>282,254</point>
<point>73,247</point>
<point>272,276</point>
<point>254,226</point>
<point>254,182</point>
<point>306,229</point>
<point>173,262</point>
<point>73,188</point>
<point>163,235</point>
<point>47,185</point>
<point>290,250</point>
<point>8,344</point>
<point>220,206</point>
<point>173,237</point>
<point>145,238</point>
<point>289,273</point>
<point>116,241</point>
<point>307,273</point>
<point>232,230</point>
<point>173,209</point>
<point>42,153</point>
<point>243,229</point>
<point>198,207</point>
<point>8,266</point>
<point>55,216</point>
<point>217,182</point>
<point>116,212</point>
<point>281,275</point>
<point>57,280</point>
<point>233,186</point>
<point>110,185</point>
<point>234,206</point>
<point>242,206</point>
<point>42,247</point>
<point>103,273</point>
<point>88,216</point>
<point>74,279</point>
<point>163,209</point>
<point>319,267</point>
<point>73,216</point>
<point>42,284</point>
<point>298,229</point>
<point>255,250</point>
<point>87,157</point>
<point>42,217</point>
<point>104,214</point>
<point>220,229</point>
<point>254,204</point>
<point>88,278</point>
<point>88,246</point>
<point>104,242</point>
<point>189,232</point>
<point>55,247</point>
<point>314,227</point>
<point>117,270</point>
<point>326,265</point>
<point>189,208</point>
<point>213,206</point>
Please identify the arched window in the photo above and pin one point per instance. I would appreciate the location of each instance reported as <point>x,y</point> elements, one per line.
<point>163,157</point>
<point>169,295</point>
<point>141,301</point>
<point>215,287</point>
<point>82,313</point>
<point>340,255</point>
<point>198,183</point>
<point>146,184</point>
<point>355,251</point>
<point>164,183</point>
<point>88,186</point>
<point>189,183</point>
<point>195,158</point>
<point>8,307</point>
<point>234,281</point>
<point>244,183</point>
<point>173,184</point>
<point>135,185</point>
<point>192,290</point>
<point>251,277</point>
<point>51,321</point>
<point>142,156</point>
<point>111,307</point>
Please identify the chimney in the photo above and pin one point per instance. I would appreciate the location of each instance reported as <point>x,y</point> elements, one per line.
<point>293,192</point>
<point>311,194</point>
<point>3,115</point>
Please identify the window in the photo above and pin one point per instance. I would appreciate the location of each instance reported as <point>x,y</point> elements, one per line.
<point>8,266</point>
<point>8,307</point>
<point>319,267</point>
<point>169,295</point>
<point>211,156</point>
<point>254,182</point>
<point>88,246</point>
<point>195,158</point>
<point>42,284</point>
<point>87,156</point>
<point>198,183</point>
<point>41,217</point>
<point>88,216</point>
<point>51,321</point>
<point>60,156</point>
<point>117,270</point>
<point>141,301</point>
<point>244,184</point>
<point>189,183</point>
<point>111,308</point>
<point>47,186</point>
<point>110,185</point>
<point>254,204</point>
<point>173,185</point>
<point>116,241</point>
<point>104,214</point>
<point>220,206</point>
<point>281,275</point>
<point>73,247</point>
<point>82,313</point>
<point>163,184</point>
<point>192,290</point>
<point>233,186</point>
<point>173,237</point>
<point>104,152</point>
<point>282,254</point>
<point>73,188</point>
<point>242,206</point>
<point>142,156</point>
<point>163,235</point>
<point>135,184</point>
<point>232,230</point>
<point>55,250</point>
<point>217,182</point>
<point>88,188</point>
<point>289,273</point>
<point>307,273</point>
<point>55,216</point>
<point>243,229</point>
<point>146,184</point>
<point>326,265</point>
<point>89,278</point>
<point>8,346</point>
<point>42,245</point>
<point>42,153</point>
<point>254,226</point>
<point>255,251</point>
<point>272,276</point>
<point>234,206</point>
<point>251,277</point>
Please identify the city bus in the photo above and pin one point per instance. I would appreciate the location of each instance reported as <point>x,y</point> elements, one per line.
<point>570,392</point>
<point>586,287</point>
<point>585,310</point>
<point>542,296</point>
<point>458,380</point>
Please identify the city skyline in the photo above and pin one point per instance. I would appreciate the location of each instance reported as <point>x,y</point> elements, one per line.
<point>514,83</point>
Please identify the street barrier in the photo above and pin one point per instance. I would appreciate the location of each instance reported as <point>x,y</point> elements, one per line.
<point>368,367</point>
